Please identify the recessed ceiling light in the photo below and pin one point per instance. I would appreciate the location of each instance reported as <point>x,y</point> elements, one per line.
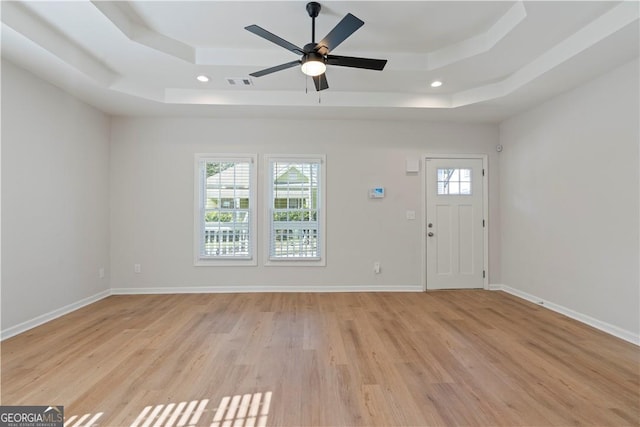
<point>202,78</point>
<point>436,83</point>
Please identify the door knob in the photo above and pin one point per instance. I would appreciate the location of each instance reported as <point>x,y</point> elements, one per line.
<point>430,234</point>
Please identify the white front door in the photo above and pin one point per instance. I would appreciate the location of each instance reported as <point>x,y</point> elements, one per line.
<point>455,234</point>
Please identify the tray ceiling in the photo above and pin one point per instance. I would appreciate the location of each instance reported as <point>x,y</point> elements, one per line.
<point>494,58</point>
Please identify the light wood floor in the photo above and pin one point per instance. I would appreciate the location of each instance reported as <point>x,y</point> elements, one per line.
<point>419,359</point>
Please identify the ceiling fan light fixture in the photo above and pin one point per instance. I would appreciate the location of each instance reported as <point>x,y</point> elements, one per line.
<point>313,65</point>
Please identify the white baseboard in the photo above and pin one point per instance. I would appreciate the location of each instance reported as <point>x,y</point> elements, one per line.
<point>598,324</point>
<point>264,288</point>
<point>37,321</point>
<point>47,317</point>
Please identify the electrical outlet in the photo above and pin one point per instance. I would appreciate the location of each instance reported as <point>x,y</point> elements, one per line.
<point>376,267</point>
<point>136,268</point>
<point>101,273</point>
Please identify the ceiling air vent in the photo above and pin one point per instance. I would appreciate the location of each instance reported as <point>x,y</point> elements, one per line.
<point>239,81</point>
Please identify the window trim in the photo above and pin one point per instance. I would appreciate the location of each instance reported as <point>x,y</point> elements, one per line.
<point>198,223</point>
<point>321,260</point>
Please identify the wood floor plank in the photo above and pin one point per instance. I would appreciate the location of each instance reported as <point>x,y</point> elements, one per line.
<point>473,358</point>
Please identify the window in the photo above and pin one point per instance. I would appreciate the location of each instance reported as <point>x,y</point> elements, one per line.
<point>224,220</point>
<point>454,182</point>
<point>296,211</point>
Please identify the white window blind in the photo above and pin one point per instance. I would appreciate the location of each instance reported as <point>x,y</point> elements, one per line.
<point>226,208</point>
<point>295,209</point>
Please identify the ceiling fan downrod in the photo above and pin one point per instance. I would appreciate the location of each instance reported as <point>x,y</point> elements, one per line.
<point>313,9</point>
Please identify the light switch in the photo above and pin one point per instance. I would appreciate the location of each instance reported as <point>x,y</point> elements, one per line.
<point>411,215</point>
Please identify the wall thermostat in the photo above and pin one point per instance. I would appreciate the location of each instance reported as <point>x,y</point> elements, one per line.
<point>376,193</point>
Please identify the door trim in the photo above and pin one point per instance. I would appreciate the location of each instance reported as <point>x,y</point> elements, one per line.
<point>485,211</point>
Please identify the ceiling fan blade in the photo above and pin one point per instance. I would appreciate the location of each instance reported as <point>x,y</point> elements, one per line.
<point>259,31</point>
<point>321,82</point>
<point>274,69</point>
<point>350,61</point>
<point>340,32</point>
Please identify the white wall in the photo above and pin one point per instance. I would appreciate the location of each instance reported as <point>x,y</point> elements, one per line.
<point>564,220</point>
<point>55,199</point>
<point>152,198</point>
<point>569,190</point>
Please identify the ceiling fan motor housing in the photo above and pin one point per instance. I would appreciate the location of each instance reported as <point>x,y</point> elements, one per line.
<point>313,56</point>
<point>310,48</point>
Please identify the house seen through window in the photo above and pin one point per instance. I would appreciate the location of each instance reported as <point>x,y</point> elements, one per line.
<point>225,227</point>
<point>295,199</point>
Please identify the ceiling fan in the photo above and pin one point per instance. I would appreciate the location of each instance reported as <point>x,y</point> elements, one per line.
<point>315,56</point>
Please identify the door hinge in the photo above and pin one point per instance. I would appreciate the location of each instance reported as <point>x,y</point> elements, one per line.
<point>484,274</point>
<point>483,222</point>
<point>482,172</point>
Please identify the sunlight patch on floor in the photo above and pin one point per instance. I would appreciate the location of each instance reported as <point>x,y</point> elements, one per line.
<point>243,411</point>
<point>247,410</point>
<point>184,414</point>
<point>84,421</point>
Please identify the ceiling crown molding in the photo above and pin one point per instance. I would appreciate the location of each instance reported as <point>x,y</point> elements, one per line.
<point>16,16</point>
<point>126,19</point>
<point>616,19</point>
<point>480,43</point>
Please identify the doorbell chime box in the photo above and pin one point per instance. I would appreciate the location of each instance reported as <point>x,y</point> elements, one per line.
<point>376,193</point>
